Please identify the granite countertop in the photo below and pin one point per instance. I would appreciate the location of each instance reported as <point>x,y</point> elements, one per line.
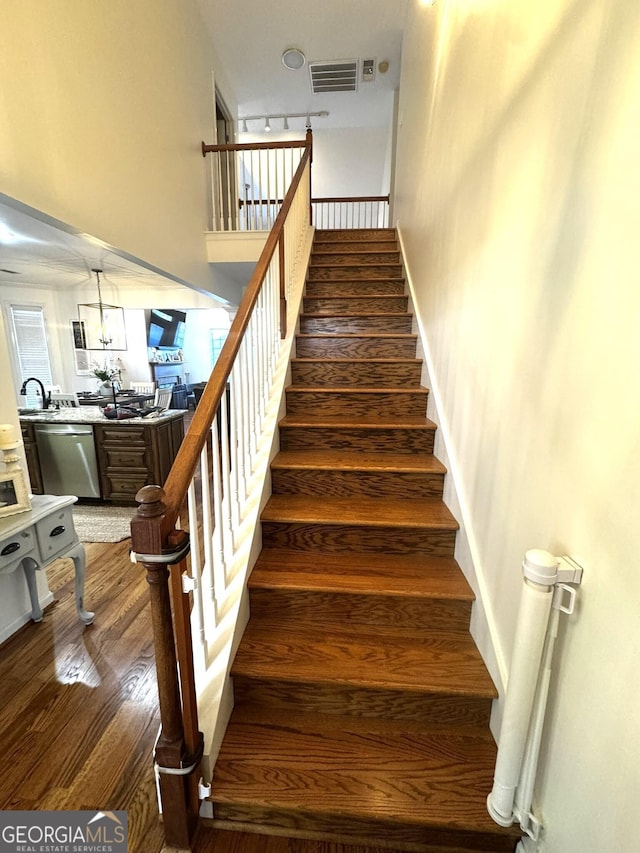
<point>94,415</point>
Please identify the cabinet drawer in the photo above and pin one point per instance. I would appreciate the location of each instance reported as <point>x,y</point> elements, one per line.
<point>56,533</point>
<point>126,458</point>
<point>13,549</point>
<point>130,435</point>
<point>123,488</point>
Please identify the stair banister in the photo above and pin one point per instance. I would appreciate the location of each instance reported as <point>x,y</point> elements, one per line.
<point>544,586</point>
<point>162,549</point>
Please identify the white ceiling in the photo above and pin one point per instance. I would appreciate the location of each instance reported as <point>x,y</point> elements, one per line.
<point>249,38</point>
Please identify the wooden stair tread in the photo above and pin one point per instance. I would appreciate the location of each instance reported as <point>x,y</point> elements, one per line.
<point>354,360</point>
<point>350,422</point>
<point>444,663</point>
<point>376,334</point>
<point>418,576</point>
<point>401,774</point>
<point>424,513</point>
<point>374,315</point>
<point>355,460</point>
<point>358,389</point>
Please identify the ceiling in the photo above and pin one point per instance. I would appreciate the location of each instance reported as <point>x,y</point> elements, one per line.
<point>328,30</point>
<point>249,38</point>
<point>36,250</point>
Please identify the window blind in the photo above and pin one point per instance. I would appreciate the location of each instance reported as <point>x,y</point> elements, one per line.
<point>32,353</point>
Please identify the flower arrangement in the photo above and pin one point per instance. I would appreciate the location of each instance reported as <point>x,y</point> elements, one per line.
<point>105,374</point>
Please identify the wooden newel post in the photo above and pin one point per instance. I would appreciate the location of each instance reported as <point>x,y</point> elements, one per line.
<point>146,537</point>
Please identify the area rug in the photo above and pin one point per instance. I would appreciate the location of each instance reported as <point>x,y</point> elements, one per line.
<point>103,523</point>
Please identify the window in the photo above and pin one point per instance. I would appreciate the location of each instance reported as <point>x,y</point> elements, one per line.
<point>218,337</point>
<point>32,352</point>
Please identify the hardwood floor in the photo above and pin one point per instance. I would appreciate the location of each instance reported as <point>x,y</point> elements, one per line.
<point>79,716</point>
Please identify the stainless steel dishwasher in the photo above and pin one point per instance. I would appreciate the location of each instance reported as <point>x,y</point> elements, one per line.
<point>68,460</point>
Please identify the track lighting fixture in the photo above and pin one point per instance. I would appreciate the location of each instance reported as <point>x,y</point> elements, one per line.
<point>285,119</point>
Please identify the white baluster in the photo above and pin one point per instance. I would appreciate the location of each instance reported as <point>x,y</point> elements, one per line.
<point>219,567</point>
<point>208,581</point>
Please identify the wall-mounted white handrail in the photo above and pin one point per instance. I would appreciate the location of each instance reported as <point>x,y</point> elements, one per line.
<point>544,592</point>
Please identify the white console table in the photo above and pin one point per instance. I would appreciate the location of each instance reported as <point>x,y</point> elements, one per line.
<point>34,539</point>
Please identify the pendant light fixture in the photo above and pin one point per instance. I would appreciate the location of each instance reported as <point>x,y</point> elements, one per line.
<point>102,324</point>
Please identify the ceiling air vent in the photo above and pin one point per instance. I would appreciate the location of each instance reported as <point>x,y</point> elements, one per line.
<point>340,76</point>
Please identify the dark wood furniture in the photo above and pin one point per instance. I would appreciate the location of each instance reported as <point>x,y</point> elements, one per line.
<point>132,456</point>
<point>130,453</point>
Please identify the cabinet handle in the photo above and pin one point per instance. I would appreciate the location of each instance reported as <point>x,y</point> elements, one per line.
<point>57,530</point>
<point>10,548</point>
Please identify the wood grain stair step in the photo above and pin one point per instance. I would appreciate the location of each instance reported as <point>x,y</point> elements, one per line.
<point>355,345</point>
<point>399,322</point>
<point>356,304</point>
<point>308,430</point>
<point>353,235</point>
<point>443,662</point>
<point>408,784</point>
<point>353,271</point>
<point>358,401</point>
<point>401,575</point>
<point>367,512</point>
<point>372,257</point>
<point>372,286</point>
<point>427,594</point>
<point>352,472</point>
<point>362,371</point>
<point>378,245</point>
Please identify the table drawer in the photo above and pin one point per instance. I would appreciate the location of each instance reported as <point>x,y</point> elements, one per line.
<point>56,533</point>
<point>14,548</point>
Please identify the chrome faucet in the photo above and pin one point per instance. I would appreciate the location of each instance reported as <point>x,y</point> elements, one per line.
<point>46,398</point>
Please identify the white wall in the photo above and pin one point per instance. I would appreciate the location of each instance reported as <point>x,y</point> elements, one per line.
<point>517,193</point>
<point>103,112</point>
<point>103,108</point>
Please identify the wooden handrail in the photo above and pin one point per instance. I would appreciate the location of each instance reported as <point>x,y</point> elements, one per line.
<point>339,199</point>
<point>347,199</point>
<point>254,146</point>
<point>186,461</point>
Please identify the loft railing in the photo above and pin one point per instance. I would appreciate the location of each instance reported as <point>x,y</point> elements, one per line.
<point>354,212</point>
<point>194,536</point>
<point>248,184</point>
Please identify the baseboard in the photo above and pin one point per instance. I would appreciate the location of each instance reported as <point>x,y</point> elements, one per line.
<point>24,618</point>
<point>483,622</point>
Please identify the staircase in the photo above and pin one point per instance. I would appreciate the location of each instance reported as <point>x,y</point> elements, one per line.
<point>361,702</point>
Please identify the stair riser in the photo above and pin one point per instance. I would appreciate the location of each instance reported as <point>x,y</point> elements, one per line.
<point>325,247</point>
<point>353,235</point>
<point>365,832</point>
<point>391,324</point>
<point>303,608</point>
<point>392,484</point>
<point>337,699</point>
<point>377,287</point>
<point>363,404</point>
<point>351,258</point>
<point>381,440</point>
<point>356,305</point>
<point>334,538</point>
<point>324,373</point>
<point>361,347</point>
<point>355,272</point>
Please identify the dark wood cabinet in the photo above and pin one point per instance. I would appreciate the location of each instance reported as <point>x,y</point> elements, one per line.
<point>32,457</point>
<point>132,456</point>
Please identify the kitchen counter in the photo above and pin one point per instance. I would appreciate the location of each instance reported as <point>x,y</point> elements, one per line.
<point>94,415</point>
<point>102,458</point>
